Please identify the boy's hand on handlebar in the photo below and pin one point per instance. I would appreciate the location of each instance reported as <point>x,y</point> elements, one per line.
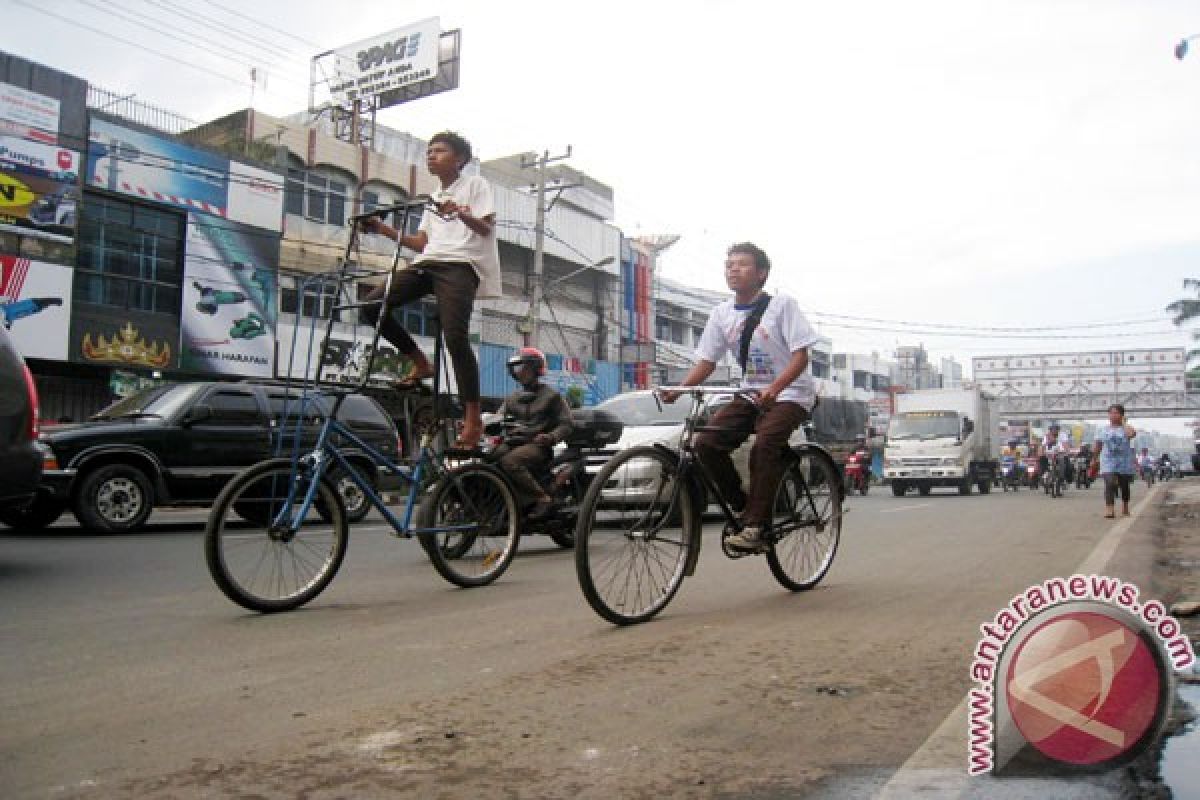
<point>668,396</point>
<point>544,439</point>
<point>371,224</point>
<point>767,397</point>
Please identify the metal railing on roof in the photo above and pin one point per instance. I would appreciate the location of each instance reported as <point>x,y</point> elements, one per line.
<point>141,112</point>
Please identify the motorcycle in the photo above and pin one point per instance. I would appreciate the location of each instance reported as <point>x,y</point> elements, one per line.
<point>856,472</point>
<point>565,478</point>
<point>1055,479</point>
<point>1083,472</point>
<point>1012,474</point>
<point>1165,472</point>
<point>1033,477</point>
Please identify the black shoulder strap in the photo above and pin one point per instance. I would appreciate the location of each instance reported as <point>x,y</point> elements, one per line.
<point>756,315</point>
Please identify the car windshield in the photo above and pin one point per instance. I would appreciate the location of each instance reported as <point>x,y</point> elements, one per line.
<point>638,408</point>
<point>156,401</point>
<point>924,425</point>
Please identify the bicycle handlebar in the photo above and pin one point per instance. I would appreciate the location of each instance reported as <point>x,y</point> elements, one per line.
<point>420,201</point>
<point>748,394</point>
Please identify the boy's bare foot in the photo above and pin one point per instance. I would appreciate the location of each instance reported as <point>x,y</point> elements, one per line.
<point>472,432</point>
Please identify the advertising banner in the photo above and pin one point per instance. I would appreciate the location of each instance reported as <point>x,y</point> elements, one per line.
<point>39,187</point>
<point>35,299</point>
<point>343,361</point>
<point>28,115</point>
<point>255,196</point>
<point>386,62</point>
<point>229,298</point>
<point>105,335</point>
<point>156,168</point>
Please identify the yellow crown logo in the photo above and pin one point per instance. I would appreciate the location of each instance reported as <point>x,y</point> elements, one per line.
<point>127,347</point>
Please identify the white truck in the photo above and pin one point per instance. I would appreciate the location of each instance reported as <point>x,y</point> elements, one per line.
<point>941,437</point>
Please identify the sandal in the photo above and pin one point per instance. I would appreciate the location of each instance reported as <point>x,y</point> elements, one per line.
<point>413,383</point>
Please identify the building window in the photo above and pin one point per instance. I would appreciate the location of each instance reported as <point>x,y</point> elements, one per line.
<point>839,360</point>
<point>130,255</point>
<point>318,298</point>
<point>314,196</point>
<point>861,378</point>
<point>820,369</point>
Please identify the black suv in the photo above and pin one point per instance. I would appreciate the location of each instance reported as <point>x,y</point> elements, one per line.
<point>179,444</point>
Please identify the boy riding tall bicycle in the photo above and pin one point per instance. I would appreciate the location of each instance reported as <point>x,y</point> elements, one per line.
<point>458,263</point>
<point>770,338</point>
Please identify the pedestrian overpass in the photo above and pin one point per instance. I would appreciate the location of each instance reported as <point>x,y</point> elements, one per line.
<point>1139,405</point>
<point>1149,383</point>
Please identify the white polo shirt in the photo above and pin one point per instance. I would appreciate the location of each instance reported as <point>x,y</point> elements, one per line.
<point>782,331</point>
<point>452,240</point>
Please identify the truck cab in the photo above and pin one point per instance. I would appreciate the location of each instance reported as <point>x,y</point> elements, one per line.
<point>933,443</point>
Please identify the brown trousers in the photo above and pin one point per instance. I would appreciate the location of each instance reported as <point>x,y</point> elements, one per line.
<point>772,428</point>
<point>454,285</point>
<point>517,463</point>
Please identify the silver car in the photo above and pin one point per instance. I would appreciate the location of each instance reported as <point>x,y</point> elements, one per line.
<point>647,424</point>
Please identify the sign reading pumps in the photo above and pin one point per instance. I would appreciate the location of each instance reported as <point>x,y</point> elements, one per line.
<point>387,62</point>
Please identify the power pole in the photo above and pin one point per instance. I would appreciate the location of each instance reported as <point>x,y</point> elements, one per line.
<point>539,230</point>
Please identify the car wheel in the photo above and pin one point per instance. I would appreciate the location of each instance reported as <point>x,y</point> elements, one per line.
<point>354,500</point>
<point>898,489</point>
<point>39,514</point>
<point>114,498</point>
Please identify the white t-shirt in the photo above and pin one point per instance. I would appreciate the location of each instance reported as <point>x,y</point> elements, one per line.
<point>452,240</point>
<point>782,331</point>
<point>1060,445</point>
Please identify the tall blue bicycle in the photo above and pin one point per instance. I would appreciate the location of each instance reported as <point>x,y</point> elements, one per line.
<point>278,532</point>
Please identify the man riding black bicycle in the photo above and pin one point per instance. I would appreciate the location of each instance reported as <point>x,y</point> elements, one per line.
<point>538,418</point>
<point>770,337</point>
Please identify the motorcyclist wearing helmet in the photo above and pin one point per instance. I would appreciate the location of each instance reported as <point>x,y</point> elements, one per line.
<point>861,450</point>
<point>541,418</point>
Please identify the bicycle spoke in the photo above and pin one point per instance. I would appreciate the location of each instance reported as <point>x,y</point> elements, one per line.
<point>632,544</point>
<point>806,521</point>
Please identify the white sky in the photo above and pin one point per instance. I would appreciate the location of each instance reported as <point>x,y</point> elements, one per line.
<point>976,163</point>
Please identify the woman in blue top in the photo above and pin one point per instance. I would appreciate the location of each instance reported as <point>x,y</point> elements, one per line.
<point>1114,449</point>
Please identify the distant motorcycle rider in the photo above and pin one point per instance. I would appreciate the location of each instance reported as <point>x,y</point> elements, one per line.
<point>541,419</point>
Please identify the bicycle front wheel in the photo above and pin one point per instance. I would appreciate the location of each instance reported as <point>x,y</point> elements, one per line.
<point>806,523</point>
<point>634,536</point>
<point>263,551</point>
<point>468,525</point>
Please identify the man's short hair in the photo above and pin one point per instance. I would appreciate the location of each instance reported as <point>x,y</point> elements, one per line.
<point>460,146</point>
<point>761,262</point>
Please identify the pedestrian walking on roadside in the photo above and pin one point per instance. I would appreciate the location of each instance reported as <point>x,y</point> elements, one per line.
<point>1113,449</point>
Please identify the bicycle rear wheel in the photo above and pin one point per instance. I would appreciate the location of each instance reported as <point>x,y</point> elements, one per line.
<point>634,536</point>
<point>806,524</point>
<point>476,504</point>
<point>260,551</point>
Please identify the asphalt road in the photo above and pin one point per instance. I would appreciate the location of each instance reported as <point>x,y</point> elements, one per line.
<point>125,673</point>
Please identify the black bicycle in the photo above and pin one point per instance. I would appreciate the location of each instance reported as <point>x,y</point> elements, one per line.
<point>639,529</point>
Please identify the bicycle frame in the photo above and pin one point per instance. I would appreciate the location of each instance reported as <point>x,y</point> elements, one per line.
<point>324,453</point>
<point>690,465</point>
<point>319,458</point>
